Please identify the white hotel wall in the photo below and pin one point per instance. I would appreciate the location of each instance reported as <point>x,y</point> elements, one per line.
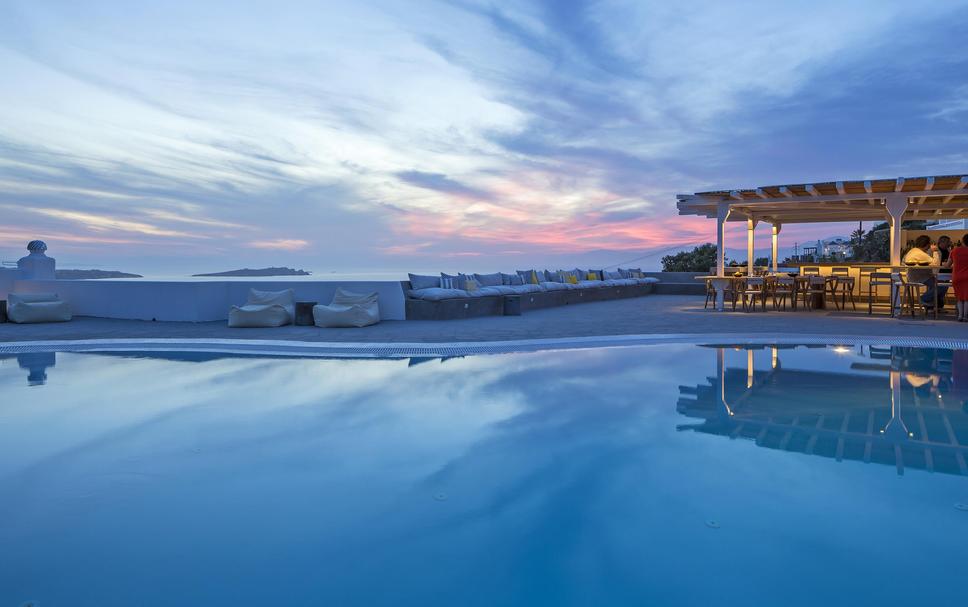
<point>195,301</point>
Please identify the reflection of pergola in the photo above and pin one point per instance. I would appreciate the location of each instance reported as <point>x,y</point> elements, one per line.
<point>891,200</point>
<point>837,415</point>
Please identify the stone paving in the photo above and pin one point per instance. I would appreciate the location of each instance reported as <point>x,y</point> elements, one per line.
<point>656,314</point>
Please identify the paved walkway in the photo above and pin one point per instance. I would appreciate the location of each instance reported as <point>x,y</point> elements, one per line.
<point>656,314</point>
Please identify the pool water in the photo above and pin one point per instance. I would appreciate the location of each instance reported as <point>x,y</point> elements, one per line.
<point>653,475</point>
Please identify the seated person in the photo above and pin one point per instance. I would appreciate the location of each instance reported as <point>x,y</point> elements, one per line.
<point>924,252</point>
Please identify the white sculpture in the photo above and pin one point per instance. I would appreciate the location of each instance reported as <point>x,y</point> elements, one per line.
<point>36,265</point>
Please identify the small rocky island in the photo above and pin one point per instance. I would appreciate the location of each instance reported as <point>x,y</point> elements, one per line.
<point>92,274</point>
<point>259,272</point>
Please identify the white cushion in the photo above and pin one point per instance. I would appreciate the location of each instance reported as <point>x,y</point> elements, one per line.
<point>285,298</point>
<point>37,307</point>
<point>437,294</point>
<point>347,315</point>
<point>345,297</point>
<point>264,309</point>
<point>272,315</point>
<point>16,298</point>
<point>527,288</point>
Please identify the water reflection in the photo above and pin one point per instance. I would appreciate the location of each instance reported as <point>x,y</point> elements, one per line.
<point>36,365</point>
<point>906,407</point>
<point>554,477</point>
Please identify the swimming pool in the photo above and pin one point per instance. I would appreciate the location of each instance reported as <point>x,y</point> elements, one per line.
<point>663,474</point>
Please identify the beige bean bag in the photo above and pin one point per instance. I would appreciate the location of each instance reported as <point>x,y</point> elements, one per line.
<point>264,309</point>
<point>37,307</point>
<point>348,309</point>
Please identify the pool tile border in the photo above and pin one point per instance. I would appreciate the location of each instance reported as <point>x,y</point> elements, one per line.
<point>448,349</point>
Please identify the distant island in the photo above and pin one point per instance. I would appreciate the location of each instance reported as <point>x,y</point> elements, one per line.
<point>259,272</point>
<point>92,274</point>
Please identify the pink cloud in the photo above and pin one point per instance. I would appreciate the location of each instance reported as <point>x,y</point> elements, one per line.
<point>285,244</point>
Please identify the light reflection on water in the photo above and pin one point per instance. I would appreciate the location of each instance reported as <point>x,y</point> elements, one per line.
<point>585,477</point>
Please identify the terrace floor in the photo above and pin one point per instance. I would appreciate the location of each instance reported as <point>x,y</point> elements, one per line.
<point>652,315</point>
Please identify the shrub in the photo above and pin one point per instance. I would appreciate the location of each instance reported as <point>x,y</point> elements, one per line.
<point>700,259</point>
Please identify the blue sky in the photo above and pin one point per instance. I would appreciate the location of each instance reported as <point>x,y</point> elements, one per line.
<point>367,135</point>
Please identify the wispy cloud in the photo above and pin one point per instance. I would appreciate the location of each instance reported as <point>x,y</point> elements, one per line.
<point>538,126</point>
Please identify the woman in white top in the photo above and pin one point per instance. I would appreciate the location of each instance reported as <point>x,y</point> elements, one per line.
<point>924,252</point>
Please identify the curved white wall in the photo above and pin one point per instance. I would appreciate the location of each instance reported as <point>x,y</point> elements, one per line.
<point>197,301</point>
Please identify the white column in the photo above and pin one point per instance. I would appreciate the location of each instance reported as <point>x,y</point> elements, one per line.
<point>776,241</point>
<point>895,205</point>
<point>750,231</point>
<point>722,214</point>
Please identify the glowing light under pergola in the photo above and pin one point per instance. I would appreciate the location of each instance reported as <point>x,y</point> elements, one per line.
<point>892,200</point>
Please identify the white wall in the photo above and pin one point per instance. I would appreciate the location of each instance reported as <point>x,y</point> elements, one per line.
<point>7,277</point>
<point>195,301</point>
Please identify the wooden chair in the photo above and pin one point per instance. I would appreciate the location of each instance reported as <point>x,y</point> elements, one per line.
<point>816,285</point>
<point>731,293</point>
<point>783,287</point>
<point>755,288</point>
<point>879,278</point>
<point>810,271</point>
<point>710,294</point>
<point>846,284</point>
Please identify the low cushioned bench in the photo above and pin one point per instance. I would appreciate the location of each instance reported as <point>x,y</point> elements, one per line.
<point>37,307</point>
<point>426,299</point>
<point>264,309</point>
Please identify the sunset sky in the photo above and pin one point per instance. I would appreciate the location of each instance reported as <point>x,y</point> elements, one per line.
<point>176,136</point>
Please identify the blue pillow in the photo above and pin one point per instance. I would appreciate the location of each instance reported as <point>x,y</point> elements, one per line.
<point>511,279</point>
<point>458,281</point>
<point>419,281</point>
<point>489,280</point>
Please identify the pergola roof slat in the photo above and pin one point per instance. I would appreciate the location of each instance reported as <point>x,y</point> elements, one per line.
<point>812,202</point>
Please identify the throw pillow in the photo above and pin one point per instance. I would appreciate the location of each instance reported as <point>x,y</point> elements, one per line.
<point>419,281</point>
<point>488,280</point>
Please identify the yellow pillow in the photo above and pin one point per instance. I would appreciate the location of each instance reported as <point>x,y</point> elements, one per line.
<point>534,277</point>
<point>593,276</point>
<point>572,279</point>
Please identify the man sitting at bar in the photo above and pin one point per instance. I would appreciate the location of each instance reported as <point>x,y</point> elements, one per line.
<point>924,252</point>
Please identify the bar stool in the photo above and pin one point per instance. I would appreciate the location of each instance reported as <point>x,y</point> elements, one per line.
<point>880,277</point>
<point>846,283</point>
<point>944,281</point>
<point>909,294</point>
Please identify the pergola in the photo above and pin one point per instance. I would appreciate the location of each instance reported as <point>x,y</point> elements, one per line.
<point>892,200</point>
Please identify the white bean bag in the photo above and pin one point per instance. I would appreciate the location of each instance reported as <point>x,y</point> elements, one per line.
<point>348,309</point>
<point>264,309</point>
<point>37,307</point>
